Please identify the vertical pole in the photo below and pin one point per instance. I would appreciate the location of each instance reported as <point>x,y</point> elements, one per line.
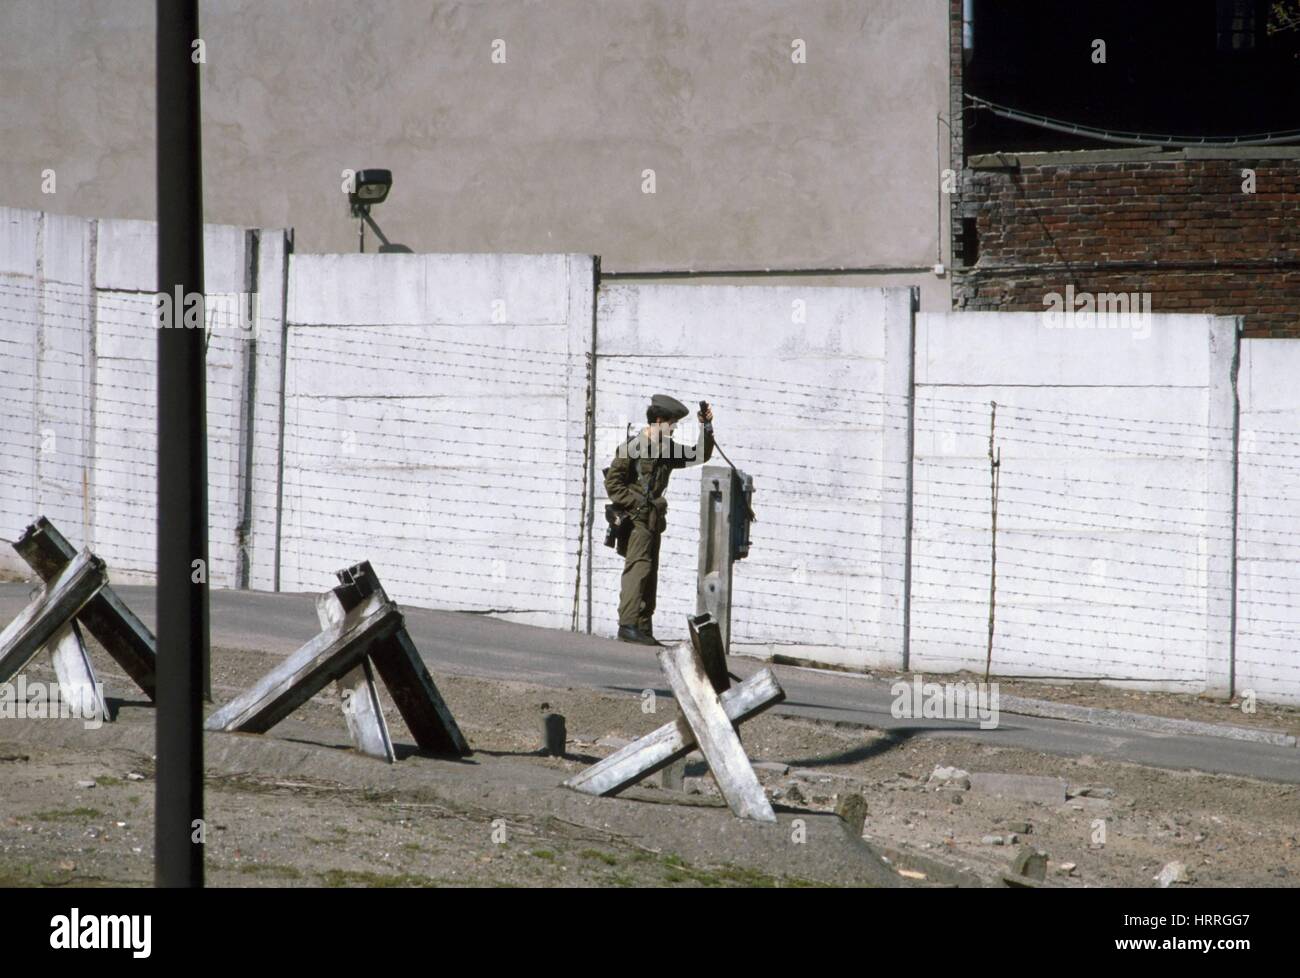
<point>284,377</point>
<point>591,431</point>
<point>1233,582</point>
<point>909,479</point>
<point>182,457</point>
<point>995,463</point>
<point>90,373</point>
<point>248,413</point>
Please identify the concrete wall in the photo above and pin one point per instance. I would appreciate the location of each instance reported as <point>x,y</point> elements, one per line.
<point>435,413</point>
<point>1268,595</point>
<point>78,381</point>
<point>759,162</point>
<point>428,413</point>
<point>808,385</point>
<point>1114,542</point>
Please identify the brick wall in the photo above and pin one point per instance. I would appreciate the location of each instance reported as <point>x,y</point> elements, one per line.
<point>1178,227</point>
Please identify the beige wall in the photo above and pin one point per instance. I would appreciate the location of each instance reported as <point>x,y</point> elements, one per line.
<point>760,162</point>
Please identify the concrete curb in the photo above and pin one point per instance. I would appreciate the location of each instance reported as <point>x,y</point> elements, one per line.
<point>1122,720</point>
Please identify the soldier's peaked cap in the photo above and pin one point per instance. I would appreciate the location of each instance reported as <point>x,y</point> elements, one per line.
<point>672,408</point>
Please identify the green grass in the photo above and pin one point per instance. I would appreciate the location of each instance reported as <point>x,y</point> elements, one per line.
<point>349,877</point>
<point>604,857</point>
<point>68,814</point>
<point>727,875</point>
<point>269,869</point>
<point>27,875</point>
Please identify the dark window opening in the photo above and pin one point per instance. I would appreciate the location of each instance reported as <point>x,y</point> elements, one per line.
<point>970,241</point>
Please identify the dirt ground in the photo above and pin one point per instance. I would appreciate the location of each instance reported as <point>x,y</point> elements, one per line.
<point>77,816</point>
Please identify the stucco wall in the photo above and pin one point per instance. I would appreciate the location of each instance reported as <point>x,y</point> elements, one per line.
<point>759,162</point>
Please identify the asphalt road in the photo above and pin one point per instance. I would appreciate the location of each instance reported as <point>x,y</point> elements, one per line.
<point>468,644</point>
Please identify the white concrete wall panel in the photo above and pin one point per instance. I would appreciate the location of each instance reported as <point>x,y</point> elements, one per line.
<point>1115,507</point>
<point>808,404</point>
<point>1268,554</point>
<point>430,428</point>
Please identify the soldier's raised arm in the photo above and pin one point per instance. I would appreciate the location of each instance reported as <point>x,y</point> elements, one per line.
<point>700,452</point>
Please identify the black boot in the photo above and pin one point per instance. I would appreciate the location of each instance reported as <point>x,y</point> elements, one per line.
<point>630,633</point>
<point>648,630</point>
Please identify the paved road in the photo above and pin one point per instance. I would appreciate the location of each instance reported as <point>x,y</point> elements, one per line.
<point>470,644</point>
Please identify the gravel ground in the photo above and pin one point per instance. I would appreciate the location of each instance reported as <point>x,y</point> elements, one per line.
<point>82,816</point>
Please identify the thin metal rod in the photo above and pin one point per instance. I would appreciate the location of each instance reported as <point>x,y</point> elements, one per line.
<point>995,468</point>
<point>909,479</point>
<point>182,589</point>
<point>379,233</point>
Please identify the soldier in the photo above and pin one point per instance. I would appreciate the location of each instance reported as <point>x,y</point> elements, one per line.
<point>636,482</point>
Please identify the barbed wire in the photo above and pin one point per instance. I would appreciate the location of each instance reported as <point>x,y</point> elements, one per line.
<point>377,448</point>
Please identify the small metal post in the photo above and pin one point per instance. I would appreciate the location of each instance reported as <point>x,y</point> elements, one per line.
<point>554,734</point>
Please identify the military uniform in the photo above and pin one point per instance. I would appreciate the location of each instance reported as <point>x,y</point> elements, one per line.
<point>636,481</point>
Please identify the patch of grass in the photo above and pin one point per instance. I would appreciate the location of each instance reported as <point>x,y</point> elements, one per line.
<point>108,781</point>
<point>349,877</point>
<point>68,814</point>
<point>413,847</point>
<point>270,869</point>
<point>604,857</point>
<point>543,854</point>
<point>27,875</point>
<point>727,875</point>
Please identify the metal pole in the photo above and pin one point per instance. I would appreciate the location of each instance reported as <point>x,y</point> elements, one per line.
<point>909,483</point>
<point>995,467</point>
<point>182,587</point>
